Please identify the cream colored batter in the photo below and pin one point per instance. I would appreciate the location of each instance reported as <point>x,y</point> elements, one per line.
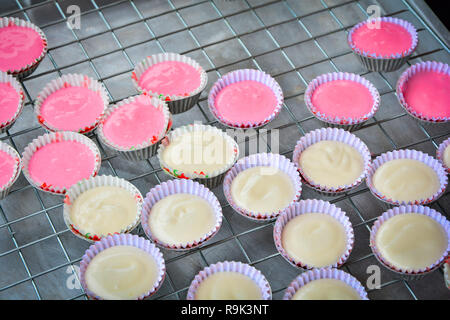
<point>326,289</point>
<point>446,156</point>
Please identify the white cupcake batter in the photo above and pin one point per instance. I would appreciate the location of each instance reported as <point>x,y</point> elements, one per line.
<point>446,156</point>
<point>326,289</point>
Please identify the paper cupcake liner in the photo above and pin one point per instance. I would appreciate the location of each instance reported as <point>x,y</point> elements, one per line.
<point>4,190</point>
<point>143,150</point>
<point>267,160</point>
<point>447,273</point>
<point>403,80</point>
<point>210,179</point>
<point>171,187</point>
<point>176,103</point>
<point>333,134</point>
<point>440,154</point>
<point>231,266</point>
<point>387,63</point>
<point>341,122</point>
<point>99,181</point>
<point>28,69</point>
<point>405,273</point>
<point>407,154</point>
<point>122,240</point>
<point>312,206</point>
<point>325,273</point>
<point>244,75</point>
<point>66,81</point>
<point>9,79</point>
<point>52,137</point>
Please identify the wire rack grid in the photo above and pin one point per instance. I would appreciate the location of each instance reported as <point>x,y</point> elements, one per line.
<point>292,40</point>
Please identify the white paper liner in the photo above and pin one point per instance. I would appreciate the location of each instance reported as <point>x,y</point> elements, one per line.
<point>171,187</point>
<point>99,181</point>
<point>312,206</point>
<point>440,154</point>
<point>123,240</point>
<point>439,218</point>
<point>341,121</point>
<point>29,68</point>
<point>231,266</point>
<point>65,81</point>
<point>7,78</point>
<point>243,75</point>
<point>325,273</point>
<point>266,160</point>
<point>4,190</point>
<point>52,137</point>
<point>333,134</point>
<point>408,74</point>
<point>407,154</point>
<point>447,273</point>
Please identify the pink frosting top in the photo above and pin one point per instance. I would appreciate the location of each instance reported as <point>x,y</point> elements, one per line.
<point>72,108</point>
<point>170,78</point>
<point>9,102</point>
<point>428,93</point>
<point>390,38</point>
<point>343,99</point>
<point>19,46</point>
<point>7,168</point>
<point>246,101</point>
<point>134,123</point>
<point>61,164</point>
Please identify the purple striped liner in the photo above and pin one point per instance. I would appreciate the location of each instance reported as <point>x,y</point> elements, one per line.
<point>266,160</point>
<point>333,134</point>
<point>29,68</point>
<point>176,103</point>
<point>99,181</point>
<point>244,75</point>
<point>440,154</point>
<point>406,273</point>
<point>146,149</point>
<point>122,240</point>
<point>71,80</point>
<point>231,266</point>
<point>407,154</point>
<point>375,62</point>
<point>4,190</point>
<point>9,79</point>
<point>171,187</point>
<point>312,206</point>
<point>324,273</point>
<point>408,74</point>
<point>349,124</point>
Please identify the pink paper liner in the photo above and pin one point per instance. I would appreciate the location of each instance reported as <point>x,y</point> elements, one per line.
<point>66,81</point>
<point>243,75</point>
<point>312,206</point>
<point>4,190</point>
<point>84,185</point>
<point>408,74</point>
<point>333,134</point>
<point>329,77</point>
<point>231,266</point>
<point>324,273</point>
<point>123,240</point>
<point>9,79</point>
<point>403,210</point>
<point>407,154</point>
<point>52,137</point>
<point>267,160</point>
<point>29,68</point>
<point>171,187</point>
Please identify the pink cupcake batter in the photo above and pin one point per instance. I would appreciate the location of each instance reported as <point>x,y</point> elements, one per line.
<point>390,38</point>
<point>428,93</point>
<point>19,46</point>
<point>170,78</point>
<point>7,167</point>
<point>343,99</point>
<point>9,102</point>
<point>61,164</point>
<point>134,123</point>
<point>244,101</point>
<point>72,108</point>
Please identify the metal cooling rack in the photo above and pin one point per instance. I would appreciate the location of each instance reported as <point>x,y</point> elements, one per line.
<point>293,40</point>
